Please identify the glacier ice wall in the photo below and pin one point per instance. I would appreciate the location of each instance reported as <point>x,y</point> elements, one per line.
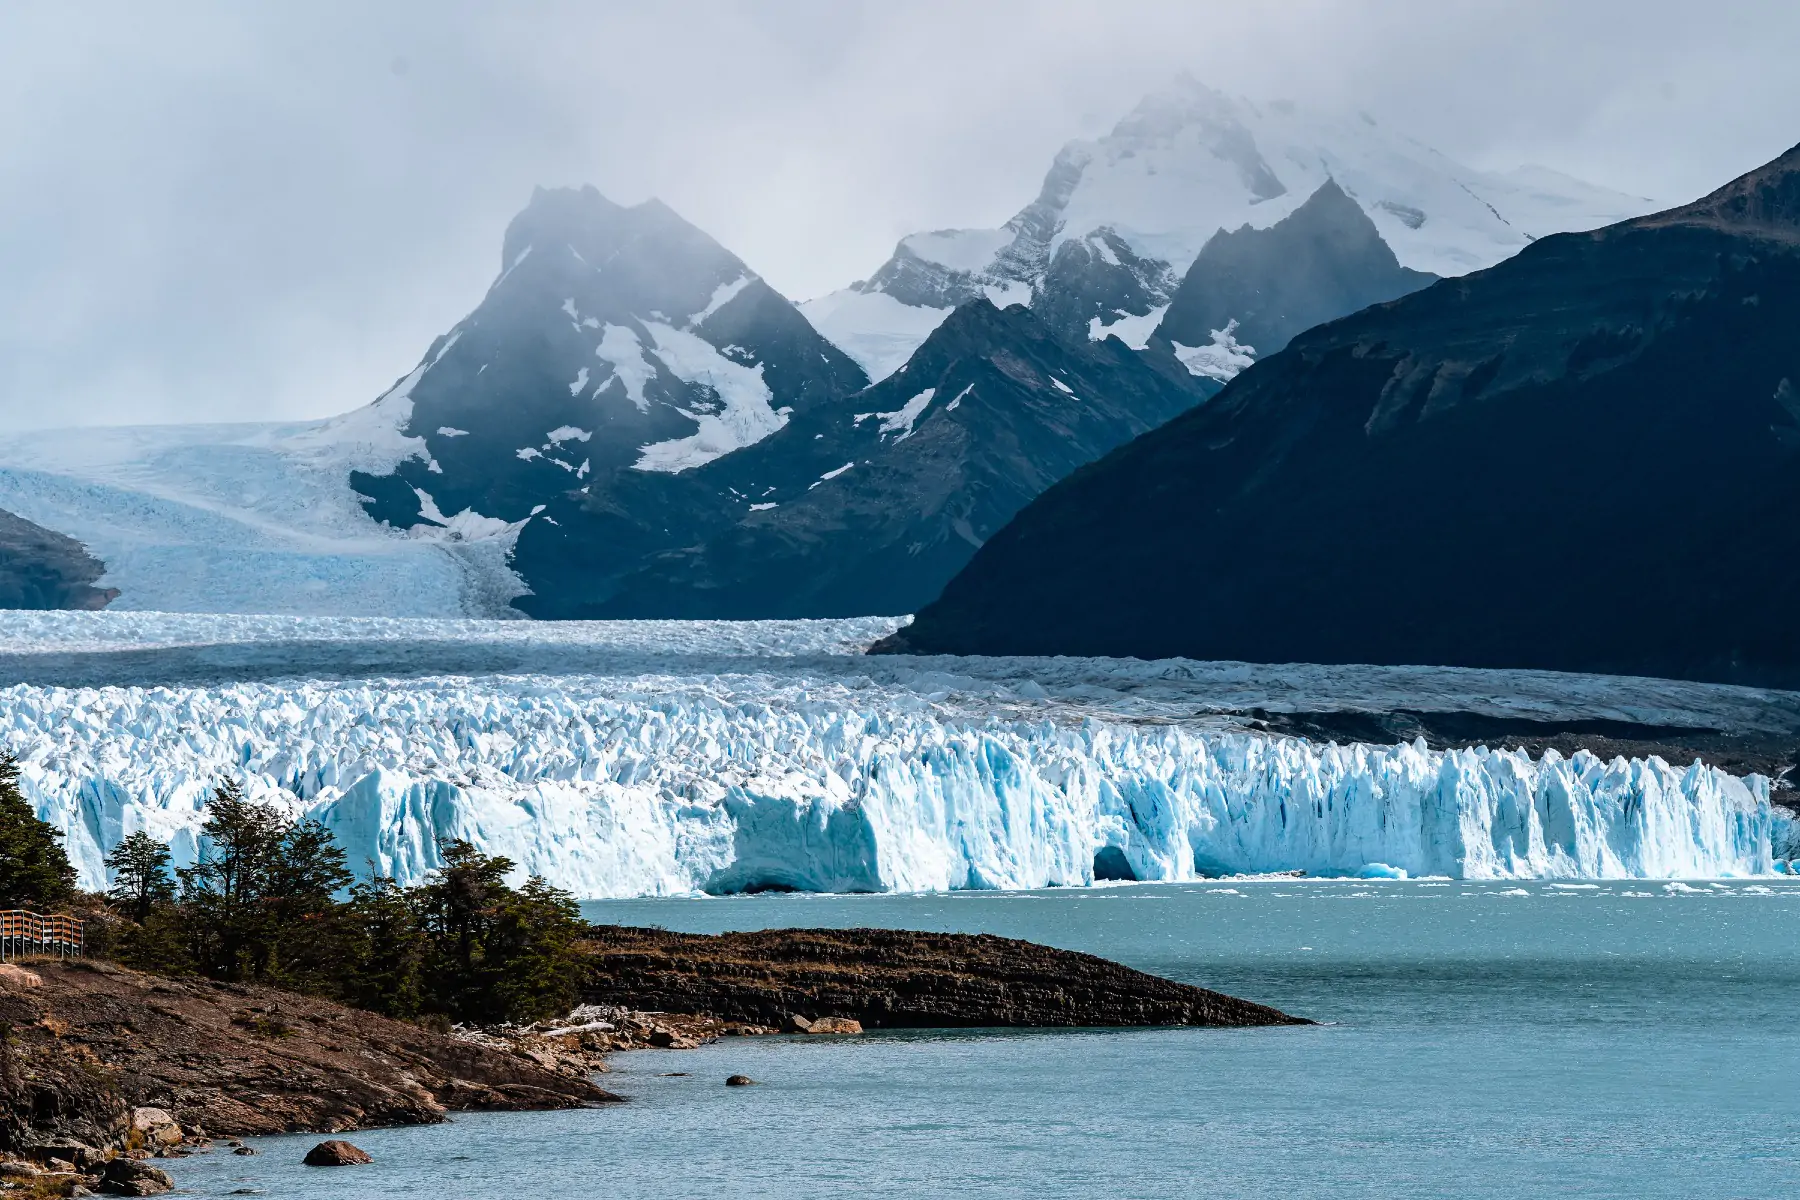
<point>613,787</point>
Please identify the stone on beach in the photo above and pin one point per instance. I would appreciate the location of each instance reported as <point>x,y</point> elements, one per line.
<point>335,1153</point>
<point>155,1128</point>
<point>129,1177</point>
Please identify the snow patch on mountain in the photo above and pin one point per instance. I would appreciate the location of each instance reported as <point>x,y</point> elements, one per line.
<point>1220,359</point>
<point>958,249</point>
<point>1132,329</point>
<point>901,420</point>
<point>746,416</point>
<point>722,295</point>
<point>620,347</point>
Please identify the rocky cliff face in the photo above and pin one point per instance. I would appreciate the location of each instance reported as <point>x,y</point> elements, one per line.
<point>89,1040</point>
<point>1582,459</point>
<point>40,568</point>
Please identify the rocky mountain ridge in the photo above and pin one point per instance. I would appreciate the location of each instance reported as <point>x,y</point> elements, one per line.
<point>865,509</point>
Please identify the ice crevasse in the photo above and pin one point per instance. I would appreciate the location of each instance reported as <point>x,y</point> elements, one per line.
<point>609,792</point>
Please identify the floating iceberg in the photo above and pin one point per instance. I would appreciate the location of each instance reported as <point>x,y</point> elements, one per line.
<point>631,785</point>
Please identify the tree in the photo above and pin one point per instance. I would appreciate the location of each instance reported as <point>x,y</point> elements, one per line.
<point>535,940</point>
<point>141,879</point>
<point>495,953</point>
<point>219,893</point>
<point>262,893</point>
<point>389,951</point>
<point>34,870</point>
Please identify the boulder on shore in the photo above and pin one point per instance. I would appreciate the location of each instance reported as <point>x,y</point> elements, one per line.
<point>834,1025</point>
<point>336,1153</point>
<point>129,1177</point>
<point>154,1128</point>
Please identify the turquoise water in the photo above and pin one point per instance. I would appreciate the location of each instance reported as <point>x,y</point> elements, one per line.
<point>1483,1040</point>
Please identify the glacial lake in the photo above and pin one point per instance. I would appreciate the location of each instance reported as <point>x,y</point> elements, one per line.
<point>1620,1039</point>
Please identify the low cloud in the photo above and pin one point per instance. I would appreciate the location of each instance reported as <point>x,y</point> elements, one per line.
<point>243,212</point>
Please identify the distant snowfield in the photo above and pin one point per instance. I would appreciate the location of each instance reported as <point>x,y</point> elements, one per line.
<point>654,758</point>
<point>255,518</point>
<point>873,328</point>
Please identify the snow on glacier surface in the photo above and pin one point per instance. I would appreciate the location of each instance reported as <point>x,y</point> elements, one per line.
<point>646,758</point>
<point>251,518</point>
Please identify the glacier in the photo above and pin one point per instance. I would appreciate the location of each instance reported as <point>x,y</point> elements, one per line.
<point>653,758</point>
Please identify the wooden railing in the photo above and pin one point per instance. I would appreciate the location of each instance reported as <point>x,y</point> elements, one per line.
<point>23,932</point>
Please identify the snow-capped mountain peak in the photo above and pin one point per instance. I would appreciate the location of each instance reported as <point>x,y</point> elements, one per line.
<point>627,324</point>
<point>1185,163</point>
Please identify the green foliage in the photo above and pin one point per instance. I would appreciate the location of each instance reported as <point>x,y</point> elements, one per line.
<point>497,954</point>
<point>34,870</point>
<point>389,952</point>
<point>262,905</point>
<point>260,902</point>
<point>159,943</point>
<point>141,878</point>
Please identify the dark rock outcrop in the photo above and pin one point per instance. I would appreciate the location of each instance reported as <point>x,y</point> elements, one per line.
<point>40,568</point>
<point>127,1177</point>
<point>1322,261</point>
<point>1583,459</point>
<point>887,979</point>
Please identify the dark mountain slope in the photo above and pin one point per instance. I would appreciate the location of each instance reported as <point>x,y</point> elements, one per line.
<point>1323,261</point>
<point>1586,458</point>
<point>869,507</point>
<point>40,568</point>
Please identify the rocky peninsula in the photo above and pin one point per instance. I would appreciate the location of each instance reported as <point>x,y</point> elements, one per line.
<point>893,978</point>
<point>90,1048</point>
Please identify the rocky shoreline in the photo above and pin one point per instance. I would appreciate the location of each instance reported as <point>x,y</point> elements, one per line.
<point>895,979</point>
<point>103,1067</point>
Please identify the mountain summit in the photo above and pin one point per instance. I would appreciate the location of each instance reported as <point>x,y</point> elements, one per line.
<point>1586,459</point>
<point>1324,261</point>
<point>1120,219</point>
<point>613,339</point>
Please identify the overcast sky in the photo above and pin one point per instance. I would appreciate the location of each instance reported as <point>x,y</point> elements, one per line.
<point>243,211</point>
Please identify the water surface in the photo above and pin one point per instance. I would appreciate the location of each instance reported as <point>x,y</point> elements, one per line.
<point>1481,1040</point>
